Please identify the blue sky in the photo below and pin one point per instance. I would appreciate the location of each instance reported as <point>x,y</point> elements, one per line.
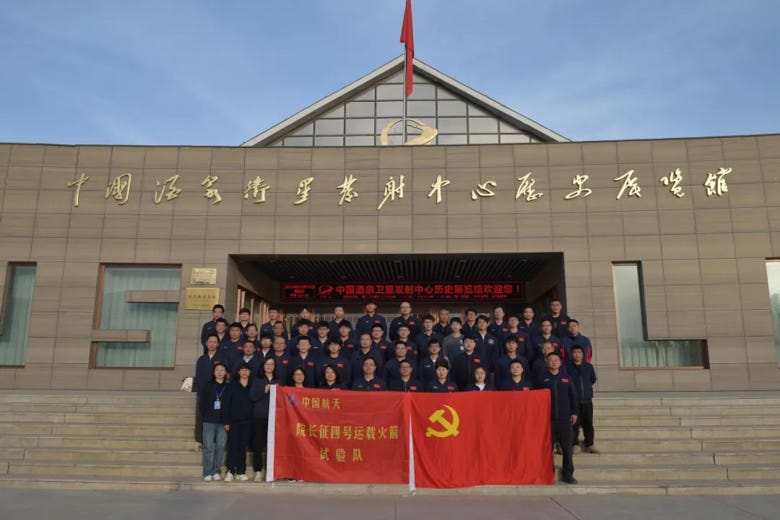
<point>218,72</point>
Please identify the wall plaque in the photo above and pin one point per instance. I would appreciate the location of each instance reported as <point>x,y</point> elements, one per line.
<point>201,298</point>
<point>203,276</point>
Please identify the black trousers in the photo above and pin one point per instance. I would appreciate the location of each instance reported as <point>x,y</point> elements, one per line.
<point>585,421</point>
<point>259,443</point>
<point>238,440</point>
<point>561,433</point>
<point>198,420</point>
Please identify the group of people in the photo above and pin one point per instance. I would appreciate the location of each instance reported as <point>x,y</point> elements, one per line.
<point>241,361</point>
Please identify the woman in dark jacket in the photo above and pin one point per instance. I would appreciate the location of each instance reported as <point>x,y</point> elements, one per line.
<point>259,394</point>
<point>330,379</point>
<point>239,424</point>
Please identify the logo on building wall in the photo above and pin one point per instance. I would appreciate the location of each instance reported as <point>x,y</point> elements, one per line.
<point>426,137</point>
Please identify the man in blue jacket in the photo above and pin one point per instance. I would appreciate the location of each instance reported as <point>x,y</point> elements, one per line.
<point>584,376</point>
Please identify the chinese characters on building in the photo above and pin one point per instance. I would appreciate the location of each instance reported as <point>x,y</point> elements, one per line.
<point>628,185</point>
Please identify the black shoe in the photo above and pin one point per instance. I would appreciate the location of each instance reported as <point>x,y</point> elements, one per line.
<point>569,480</point>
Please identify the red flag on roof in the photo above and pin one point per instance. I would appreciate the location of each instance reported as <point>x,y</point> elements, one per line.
<point>407,38</point>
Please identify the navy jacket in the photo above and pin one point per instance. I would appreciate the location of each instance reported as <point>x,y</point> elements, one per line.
<point>412,322</point>
<point>498,331</point>
<point>446,387</point>
<point>365,323</point>
<point>359,357</point>
<point>375,385</point>
<point>463,367</point>
<point>531,329</point>
<point>509,384</point>
<point>502,369</point>
<point>442,330</point>
<point>254,363</point>
<point>581,340</point>
<point>261,399</point>
<point>209,328</point>
<point>422,340</point>
<point>239,407</point>
<point>204,369</point>
<point>563,396</point>
<point>489,347</point>
<point>283,369</point>
<point>426,369</point>
<point>584,376</point>
<point>472,387</point>
<point>340,364</point>
<point>392,371</point>
<point>560,324</point>
<point>413,385</point>
<point>206,398</point>
<point>309,366</point>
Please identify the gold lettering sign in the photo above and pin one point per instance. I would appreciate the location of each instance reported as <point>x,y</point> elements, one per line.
<point>201,298</point>
<point>203,276</point>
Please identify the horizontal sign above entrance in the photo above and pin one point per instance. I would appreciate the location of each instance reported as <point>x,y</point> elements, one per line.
<point>485,291</point>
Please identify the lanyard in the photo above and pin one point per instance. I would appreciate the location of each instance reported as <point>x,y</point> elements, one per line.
<point>219,394</point>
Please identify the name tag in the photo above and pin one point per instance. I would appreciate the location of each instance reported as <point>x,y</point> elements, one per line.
<point>218,405</point>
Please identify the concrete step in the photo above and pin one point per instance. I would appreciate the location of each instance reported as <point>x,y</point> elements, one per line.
<point>695,420</point>
<point>642,474</point>
<point>168,399</point>
<point>603,460</point>
<point>113,443</point>
<point>180,432</point>
<point>94,469</point>
<point>9,408</point>
<point>728,445</point>
<point>148,456</point>
<point>179,419</point>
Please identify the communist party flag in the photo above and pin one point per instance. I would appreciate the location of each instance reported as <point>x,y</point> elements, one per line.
<point>407,38</point>
<point>481,438</point>
<point>338,436</point>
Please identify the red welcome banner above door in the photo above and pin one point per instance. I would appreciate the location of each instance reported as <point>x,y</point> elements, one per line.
<point>459,440</point>
<point>325,292</point>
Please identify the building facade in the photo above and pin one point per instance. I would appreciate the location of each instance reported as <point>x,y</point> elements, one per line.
<point>667,251</point>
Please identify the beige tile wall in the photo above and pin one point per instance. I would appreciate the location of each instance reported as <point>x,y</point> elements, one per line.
<point>703,257</point>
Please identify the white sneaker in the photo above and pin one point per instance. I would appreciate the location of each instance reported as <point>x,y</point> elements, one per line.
<point>197,446</point>
<point>208,478</point>
<point>258,476</point>
<point>228,477</point>
<point>242,477</point>
<point>216,477</point>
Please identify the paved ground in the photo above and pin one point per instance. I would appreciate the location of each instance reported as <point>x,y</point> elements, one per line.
<point>64,505</point>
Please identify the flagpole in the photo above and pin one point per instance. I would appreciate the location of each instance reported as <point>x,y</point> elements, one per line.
<point>403,131</point>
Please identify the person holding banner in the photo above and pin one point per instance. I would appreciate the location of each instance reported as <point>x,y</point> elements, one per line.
<point>480,383</point>
<point>563,411</point>
<point>210,398</point>
<point>368,382</point>
<point>259,394</point>
<point>442,383</point>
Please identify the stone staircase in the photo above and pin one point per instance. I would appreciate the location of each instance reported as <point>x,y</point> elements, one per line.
<point>651,444</point>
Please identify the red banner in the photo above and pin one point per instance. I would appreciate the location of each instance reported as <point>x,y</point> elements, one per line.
<point>339,436</point>
<point>389,292</point>
<point>480,438</point>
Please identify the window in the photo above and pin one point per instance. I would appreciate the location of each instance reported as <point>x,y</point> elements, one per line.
<point>636,351</point>
<point>773,278</point>
<point>133,309</point>
<point>15,320</point>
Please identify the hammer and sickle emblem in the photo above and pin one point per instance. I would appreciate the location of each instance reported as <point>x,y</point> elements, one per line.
<point>450,427</point>
<point>428,132</point>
